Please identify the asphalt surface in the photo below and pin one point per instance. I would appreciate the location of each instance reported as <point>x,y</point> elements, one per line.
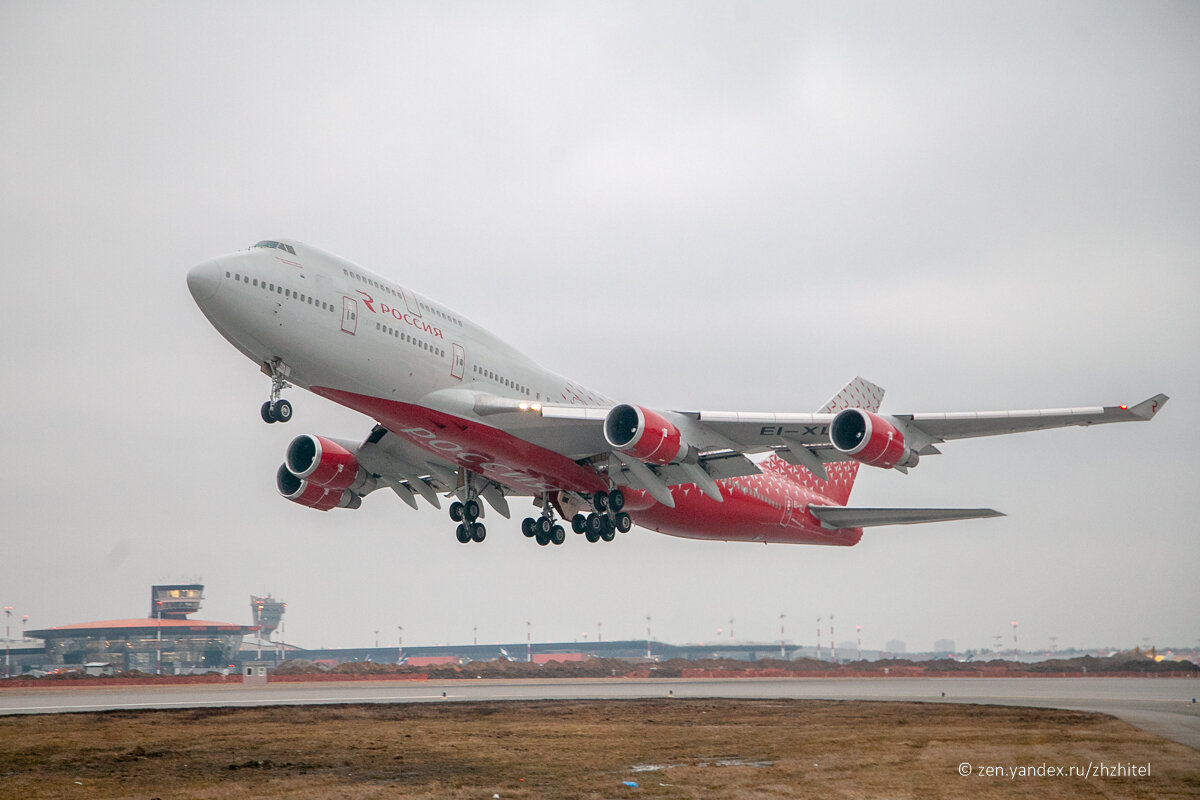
<point>1165,706</point>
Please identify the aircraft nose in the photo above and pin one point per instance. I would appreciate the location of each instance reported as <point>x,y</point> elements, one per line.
<point>203,280</point>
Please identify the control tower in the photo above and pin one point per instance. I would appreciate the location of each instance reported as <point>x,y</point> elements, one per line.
<point>267,613</point>
<point>175,601</point>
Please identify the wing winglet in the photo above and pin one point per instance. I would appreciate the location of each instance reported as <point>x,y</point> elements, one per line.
<point>1149,407</point>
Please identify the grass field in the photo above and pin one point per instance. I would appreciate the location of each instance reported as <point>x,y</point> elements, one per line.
<point>587,749</point>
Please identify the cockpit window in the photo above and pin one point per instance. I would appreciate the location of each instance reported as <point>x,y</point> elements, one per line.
<point>277,245</point>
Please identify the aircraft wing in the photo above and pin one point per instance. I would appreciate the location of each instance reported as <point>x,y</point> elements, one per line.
<point>835,517</point>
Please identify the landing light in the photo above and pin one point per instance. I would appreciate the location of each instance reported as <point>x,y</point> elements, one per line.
<point>1123,407</point>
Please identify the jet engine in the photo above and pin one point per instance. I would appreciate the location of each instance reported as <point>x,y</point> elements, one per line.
<point>322,474</point>
<point>643,434</point>
<point>309,494</point>
<point>871,439</point>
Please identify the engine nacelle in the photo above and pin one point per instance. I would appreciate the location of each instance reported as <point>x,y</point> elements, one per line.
<point>309,494</point>
<point>324,462</point>
<point>871,439</point>
<point>643,434</point>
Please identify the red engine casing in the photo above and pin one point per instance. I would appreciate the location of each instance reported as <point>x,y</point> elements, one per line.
<point>310,495</point>
<point>322,462</point>
<point>871,439</point>
<point>644,434</point>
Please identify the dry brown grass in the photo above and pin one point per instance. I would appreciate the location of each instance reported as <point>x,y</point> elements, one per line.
<point>581,749</point>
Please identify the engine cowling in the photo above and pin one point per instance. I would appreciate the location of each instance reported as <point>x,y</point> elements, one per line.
<point>324,462</point>
<point>311,495</point>
<point>871,439</point>
<point>644,434</point>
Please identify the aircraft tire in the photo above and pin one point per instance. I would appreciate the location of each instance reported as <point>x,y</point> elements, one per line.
<point>600,501</point>
<point>266,413</point>
<point>542,538</point>
<point>579,523</point>
<point>595,523</point>
<point>462,534</point>
<point>478,532</point>
<point>471,510</point>
<point>557,534</point>
<point>281,410</point>
<point>624,522</point>
<point>616,500</point>
<point>610,532</point>
<point>543,526</point>
<point>527,527</point>
<point>456,511</point>
<point>592,536</point>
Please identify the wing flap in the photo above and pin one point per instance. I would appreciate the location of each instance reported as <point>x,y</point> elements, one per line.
<point>835,517</point>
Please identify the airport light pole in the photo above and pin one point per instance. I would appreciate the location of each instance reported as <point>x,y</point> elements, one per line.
<point>158,638</point>
<point>782,647</point>
<point>7,618</point>
<point>818,638</point>
<point>376,638</point>
<point>599,631</point>
<point>1015,651</point>
<point>475,635</point>
<point>648,638</point>
<point>832,643</point>
<point>400,642</point>
<point>528,641</point>
<point>731,629</point>
<point>858,628</point>
<point>24,625</point>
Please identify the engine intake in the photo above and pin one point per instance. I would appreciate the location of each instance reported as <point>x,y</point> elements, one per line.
<point>644,434</point>
<point>871,439</point>
<point>324,462</point>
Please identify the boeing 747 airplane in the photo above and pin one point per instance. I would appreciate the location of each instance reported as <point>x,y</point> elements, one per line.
<point>460,413</point>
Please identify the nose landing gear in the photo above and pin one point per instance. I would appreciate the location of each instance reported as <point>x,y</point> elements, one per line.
<point>276,409</point>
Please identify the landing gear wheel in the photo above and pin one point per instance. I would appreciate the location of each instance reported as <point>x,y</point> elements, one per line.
<point>478,532</point>
<point>456,511</point>
<point>610,532</point>
<point>616,500</point>
<point>600,501</point>
<point>462,534</point>
<point>592,536</point>
<point>527,527</point>
<point>542,538</point>
<point>471,510</point>
<point>624,522</point>
<point>266,413</point>
<point>595,524</point>
<point>558,534</point>
<point>543,526</point>
<point>579,523</point>
<point>281,410</point>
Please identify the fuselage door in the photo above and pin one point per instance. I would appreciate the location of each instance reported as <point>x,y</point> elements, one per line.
<point>349,315</point>
<point>459,365</point>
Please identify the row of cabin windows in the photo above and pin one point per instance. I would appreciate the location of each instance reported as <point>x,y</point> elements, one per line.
<point>383,287</point>
<point>303,298</point>
<point>414,341</point>
<point>511,384</point>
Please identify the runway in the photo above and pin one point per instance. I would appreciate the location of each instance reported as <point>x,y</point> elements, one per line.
<point>1165,706</point>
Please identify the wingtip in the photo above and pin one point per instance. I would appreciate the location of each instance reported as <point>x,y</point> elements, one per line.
<point>1149,407</point>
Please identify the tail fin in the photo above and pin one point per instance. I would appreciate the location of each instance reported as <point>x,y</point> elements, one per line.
<point>858,393</point>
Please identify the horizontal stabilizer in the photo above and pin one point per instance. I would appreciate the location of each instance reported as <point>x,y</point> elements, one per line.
<point>835,517</point>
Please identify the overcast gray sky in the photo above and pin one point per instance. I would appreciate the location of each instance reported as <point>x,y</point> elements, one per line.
<point>686,205</point>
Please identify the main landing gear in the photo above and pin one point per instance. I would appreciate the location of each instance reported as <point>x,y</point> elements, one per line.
<point>466,514</point>
<point>607,519</point>
<point>276,409</point>
<point>544,529</point>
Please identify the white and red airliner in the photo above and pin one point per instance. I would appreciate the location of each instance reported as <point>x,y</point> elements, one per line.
<point>460,413</point>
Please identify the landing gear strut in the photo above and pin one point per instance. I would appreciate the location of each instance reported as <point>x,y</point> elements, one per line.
<point>276,409</point>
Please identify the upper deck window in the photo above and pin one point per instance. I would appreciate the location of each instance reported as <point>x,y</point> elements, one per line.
<point>278,245</point>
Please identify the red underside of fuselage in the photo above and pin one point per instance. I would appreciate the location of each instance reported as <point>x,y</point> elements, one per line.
<point>769,507</point>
